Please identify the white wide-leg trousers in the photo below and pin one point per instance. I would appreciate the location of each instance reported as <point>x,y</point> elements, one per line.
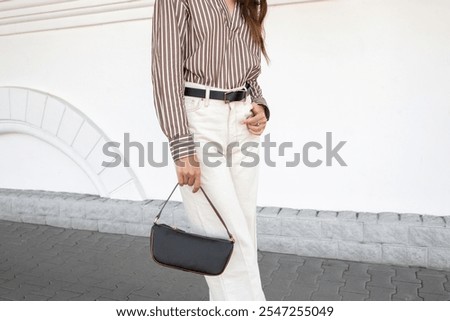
<point>228,155</point>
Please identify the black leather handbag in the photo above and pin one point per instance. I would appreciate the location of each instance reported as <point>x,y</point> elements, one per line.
<point>176,248</point>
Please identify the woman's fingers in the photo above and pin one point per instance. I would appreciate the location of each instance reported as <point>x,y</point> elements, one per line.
<point>188,171</point>
<point>258,118</point>
<point>196,184</point>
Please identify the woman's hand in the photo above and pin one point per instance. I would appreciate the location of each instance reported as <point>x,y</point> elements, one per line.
<point>256,123</point>
<point>188,171</point>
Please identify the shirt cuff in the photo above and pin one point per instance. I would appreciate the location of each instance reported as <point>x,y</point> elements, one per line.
<point>182,146</point>
<point>261,101</point>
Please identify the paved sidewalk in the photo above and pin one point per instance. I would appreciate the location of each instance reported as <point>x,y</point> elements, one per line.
<point>39,262</point>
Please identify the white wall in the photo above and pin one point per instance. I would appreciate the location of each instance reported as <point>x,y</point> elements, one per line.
<point>374,73</point>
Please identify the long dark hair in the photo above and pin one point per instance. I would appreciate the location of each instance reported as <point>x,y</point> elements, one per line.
<point>254,12</point>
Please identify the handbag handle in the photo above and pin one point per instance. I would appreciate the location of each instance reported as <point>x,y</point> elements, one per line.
<point>210,203</point>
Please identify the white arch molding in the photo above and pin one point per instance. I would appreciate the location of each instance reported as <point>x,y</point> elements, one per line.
<point>52,120</point>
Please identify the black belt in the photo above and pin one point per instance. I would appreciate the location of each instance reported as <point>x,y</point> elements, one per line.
<point>226,96</point>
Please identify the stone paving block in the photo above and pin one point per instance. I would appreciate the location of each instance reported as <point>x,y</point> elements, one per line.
<point>157,291</point>
<point>65,222</point>
<point>431,272</point>
<point>92,294</point>
<point>404,255</point>
<point>135,297</point>
<point>388,217</point>
<point>355,284</point>
<point>283,274</point>
<point>350,296</point>
<point>435,297</point>
<point>280,285</point>
<point>72,208</point>
<point>33,219</point>
<point>106,283</point>
<point>380,294</point>
<point>439,258</point>
<point>10,217</point>
<point>4,293</point>
<point>336,263</point>
<point>85,224</point>
<point>307,214</point>
<point>327,215</point>
<point>315,248</point>
<point>300,291</point>
<point>63,235</point>
<point>315,263</point>
<point>290,267</point>
<point>359,251</point>
<point>275,294</point>
<point>32,280</point>
<point>406,275</point>
<point>333,274</point>
<point>24,289</point>
<point>7,276</point>
<point>349,231</point>
<point>446,285</point>
<point>406,291</point>
<point>150,211</point>
<point>276,243</point>
<point>429,236</point>
<point>99,209</point>
<point>179,218</point>
<point>369,218</point>
<point>111,227</point>
<point>382,267</point>
<point>386,233</point>
<point>328,291</point>
<point>347,215</point>
<point>12,284</point>
<point>269,225</point>
<point>24,204</point>
<point>108,299</point>
<point>309,275</point>
<point>48,205</point>
<point>35,297</point>
<point>447,220</point>
<point>64,296</point>
<point>303,228</point>
<point>411,219</point>
<point>381,279</point>
<point>5,205</point>
<point>287,259</point>
<point>267,268</point>
<point>431,220</point>
<point>126,211</point>
<point>432,284</point>
<point>270,211</point>
<point>288,212</point>
<point>140,229</point>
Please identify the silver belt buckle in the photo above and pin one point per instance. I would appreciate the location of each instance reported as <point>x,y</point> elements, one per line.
<point>228,92</point>
<point>225,97</point>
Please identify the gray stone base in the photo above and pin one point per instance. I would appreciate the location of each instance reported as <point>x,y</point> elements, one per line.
<point>390,238</point>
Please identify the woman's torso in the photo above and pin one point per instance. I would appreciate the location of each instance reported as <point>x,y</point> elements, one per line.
<point>219,50</point>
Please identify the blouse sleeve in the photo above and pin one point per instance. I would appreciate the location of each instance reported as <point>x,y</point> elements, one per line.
<point>257,97</point>
<point>256,93</point>
<point>168,40</point>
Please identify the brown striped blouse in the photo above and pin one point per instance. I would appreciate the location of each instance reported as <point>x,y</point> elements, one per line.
<point>198,41</point>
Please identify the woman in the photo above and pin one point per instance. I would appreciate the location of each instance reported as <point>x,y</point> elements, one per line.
<point>206,58</point>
